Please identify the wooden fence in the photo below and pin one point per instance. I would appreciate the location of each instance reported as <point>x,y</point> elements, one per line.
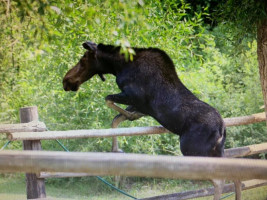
<point>41,164</point>
<point>23,134</point>
<point>198,168</point>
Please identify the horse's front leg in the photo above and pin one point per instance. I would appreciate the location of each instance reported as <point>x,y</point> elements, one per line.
<point>218,188</point>
<point>130,113</point>
<point>238,189</point>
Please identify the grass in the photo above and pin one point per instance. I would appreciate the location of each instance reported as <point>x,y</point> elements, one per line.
<point>12,187</point>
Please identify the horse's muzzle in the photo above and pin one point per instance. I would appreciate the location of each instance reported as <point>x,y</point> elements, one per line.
<point>68,86</point>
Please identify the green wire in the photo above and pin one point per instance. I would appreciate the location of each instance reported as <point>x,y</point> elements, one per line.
<point>100,178</point>
<point>121,191</point>
<point>62,146</point>
<point>5,145</point>
<point>228,195</point>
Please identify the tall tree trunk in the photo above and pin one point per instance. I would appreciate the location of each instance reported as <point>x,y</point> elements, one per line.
<point>262,58</point>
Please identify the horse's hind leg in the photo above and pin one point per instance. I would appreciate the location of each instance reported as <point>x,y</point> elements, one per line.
<point>238,188</point>
<point>218,188</point>
<point>115,123</point>
<point>115,145</point>
<point>120,118</point>
<point>117,120</point>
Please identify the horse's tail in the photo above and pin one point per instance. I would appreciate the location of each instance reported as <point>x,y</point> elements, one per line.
<point>219,147</point>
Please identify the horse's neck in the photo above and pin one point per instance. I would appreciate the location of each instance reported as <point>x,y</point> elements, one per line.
<point>110,63</point>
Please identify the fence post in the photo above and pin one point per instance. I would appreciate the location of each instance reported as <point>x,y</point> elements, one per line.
<point>35,186</point>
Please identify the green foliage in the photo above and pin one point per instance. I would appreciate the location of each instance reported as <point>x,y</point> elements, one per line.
<point>40,44</point>
<point>240,19</point>
<point>245,15</point>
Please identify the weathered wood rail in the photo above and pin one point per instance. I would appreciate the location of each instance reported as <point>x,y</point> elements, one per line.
<point>246,185</point>
<point>71,134</point>
<point>230,153</point>
<point>244,120</point>
<point>33,126</point>
<point>246,151</point>
<point>96,133</point>
<point>199,168</point>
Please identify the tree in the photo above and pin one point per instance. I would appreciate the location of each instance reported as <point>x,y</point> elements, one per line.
<point>247,19</point>
<point>262,57</point>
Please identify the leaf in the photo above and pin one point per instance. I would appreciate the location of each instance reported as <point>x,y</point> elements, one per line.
<point>141,3</point>
<point>56,9</point>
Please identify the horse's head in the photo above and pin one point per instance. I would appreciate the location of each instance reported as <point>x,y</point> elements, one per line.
<point>83,70</point>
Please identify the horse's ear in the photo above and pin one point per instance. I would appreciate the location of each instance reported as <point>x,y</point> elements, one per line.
<point>90,46</point>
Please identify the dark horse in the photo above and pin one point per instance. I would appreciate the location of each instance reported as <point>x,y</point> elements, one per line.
<point>149,85</point>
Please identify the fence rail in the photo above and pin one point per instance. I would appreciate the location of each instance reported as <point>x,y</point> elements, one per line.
<point>70,134</point>
<point>33,126</point>
<point>208,191</point>
<point>230,153</point>
<point>200,168</point>
<point>246,151</point>
<point>92,133</point>
<point>244,120</point>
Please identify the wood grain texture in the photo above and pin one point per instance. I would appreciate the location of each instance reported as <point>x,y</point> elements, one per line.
<point>34,126</point>
<point>60,175</point>
<point>200,168</point>
<point>230,153</point>
<point>72,134</point>
<point>244,120</point>
<point>246,151</point>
